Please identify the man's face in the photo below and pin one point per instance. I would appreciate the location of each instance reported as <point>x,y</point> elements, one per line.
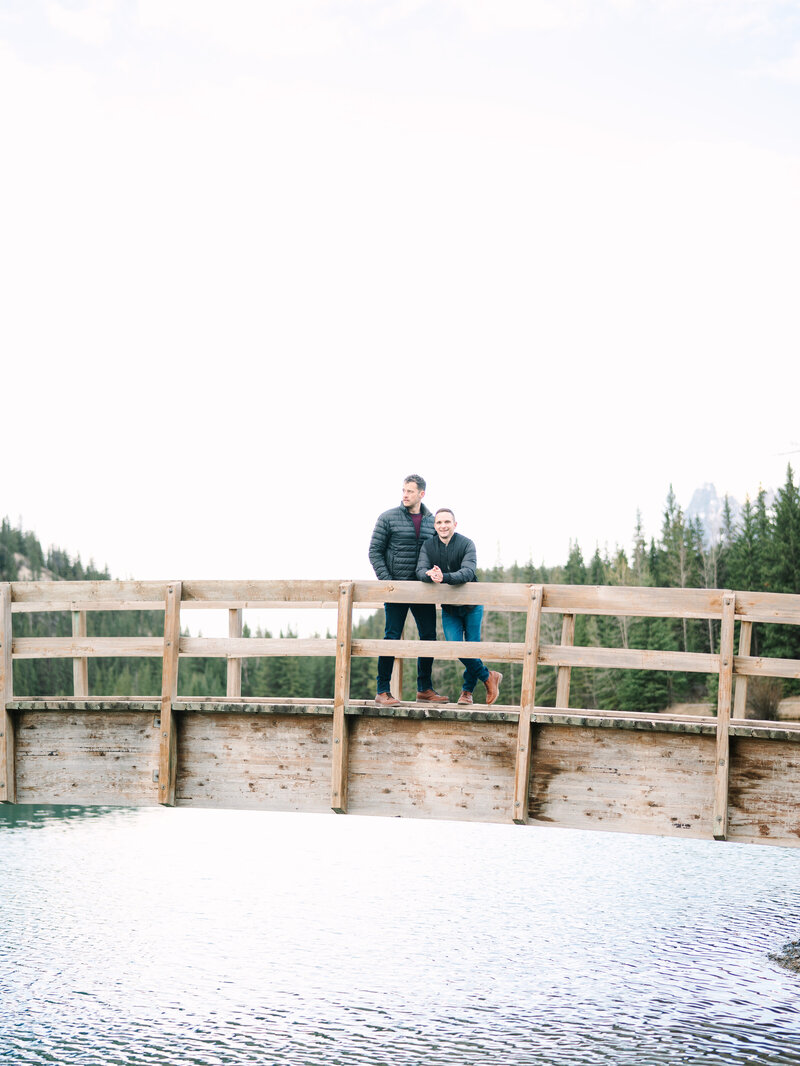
<point>445,525</point>
<point>412,496</point>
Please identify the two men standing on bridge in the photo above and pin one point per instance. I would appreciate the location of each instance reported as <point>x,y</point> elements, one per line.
<point>409,543</point>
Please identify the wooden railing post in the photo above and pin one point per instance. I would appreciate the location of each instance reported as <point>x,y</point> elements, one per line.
<point>522,770</point>
<point>396,682</point>
<point>80,666</point>
<point>341,696</point>
<point>8,783</point>
<point>565,672</point>
<point>234,685</point>
<point>722,760</point>
<point>168,759</point>
<point>740,695</point>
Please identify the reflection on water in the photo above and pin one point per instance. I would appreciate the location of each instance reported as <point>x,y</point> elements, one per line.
<point>33,816</point>
<point>211,937</point>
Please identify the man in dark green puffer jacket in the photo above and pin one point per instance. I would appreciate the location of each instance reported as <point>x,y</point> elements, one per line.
<point>393,552</point>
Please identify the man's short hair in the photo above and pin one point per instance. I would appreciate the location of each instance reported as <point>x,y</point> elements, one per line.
<point>418,481</point>
<point>448,511</point>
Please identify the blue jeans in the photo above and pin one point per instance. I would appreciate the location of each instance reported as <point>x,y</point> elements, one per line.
<point>466,626</point>
<point>425,617</point>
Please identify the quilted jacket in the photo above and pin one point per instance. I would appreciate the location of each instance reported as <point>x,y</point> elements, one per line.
<point>394,547</point>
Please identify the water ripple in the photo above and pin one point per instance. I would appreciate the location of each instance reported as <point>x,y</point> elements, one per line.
<point>210,938</point>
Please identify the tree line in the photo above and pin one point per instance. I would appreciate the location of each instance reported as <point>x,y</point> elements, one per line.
<point>758,551</point>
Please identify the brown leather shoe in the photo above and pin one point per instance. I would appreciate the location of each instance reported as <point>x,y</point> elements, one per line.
<point>465,697</point>
<point>386,699</point>
<point>429,696</point>
<point>492,683</point>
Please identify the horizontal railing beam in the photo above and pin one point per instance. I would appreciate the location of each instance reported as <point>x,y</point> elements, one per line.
<point>256,647</point>
<point>251,647</point>
<point>628,659</point>
<point>604,600</point>
<point>439,649</point>
<point>90,647</point>
<point>756,666</point>
<point>549,654</point>
<point>88,595</point>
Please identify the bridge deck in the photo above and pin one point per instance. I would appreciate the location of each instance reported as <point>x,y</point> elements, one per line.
<point>611,771</point>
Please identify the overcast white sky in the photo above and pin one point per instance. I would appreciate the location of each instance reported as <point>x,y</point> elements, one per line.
<point>260,260</point>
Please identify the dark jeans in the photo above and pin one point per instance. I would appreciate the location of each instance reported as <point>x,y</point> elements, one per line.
<point>466,626</point>
<point>425,617</point>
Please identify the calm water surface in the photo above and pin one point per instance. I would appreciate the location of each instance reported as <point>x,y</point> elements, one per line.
<point>173,936</point>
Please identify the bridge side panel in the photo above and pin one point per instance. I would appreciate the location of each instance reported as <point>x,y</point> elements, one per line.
<point>271,762</point>
<point>432,768</point>
<point>764,788</point>
<point>622,780</point>
<point>87,757</point>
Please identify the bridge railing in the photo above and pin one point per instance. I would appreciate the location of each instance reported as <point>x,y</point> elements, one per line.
<point>733,665</point>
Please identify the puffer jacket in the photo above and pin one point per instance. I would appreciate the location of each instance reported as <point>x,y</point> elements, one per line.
<point>394,547</point>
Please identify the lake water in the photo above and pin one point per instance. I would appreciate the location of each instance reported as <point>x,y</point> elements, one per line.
<point>220,937</point>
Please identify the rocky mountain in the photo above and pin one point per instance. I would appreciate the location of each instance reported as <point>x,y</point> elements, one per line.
<point>707,505</point>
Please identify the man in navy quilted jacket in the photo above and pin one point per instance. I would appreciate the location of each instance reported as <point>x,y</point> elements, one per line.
<point>393,552</point>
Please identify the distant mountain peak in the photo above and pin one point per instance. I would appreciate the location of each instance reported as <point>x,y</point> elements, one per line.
<point>707,505</point>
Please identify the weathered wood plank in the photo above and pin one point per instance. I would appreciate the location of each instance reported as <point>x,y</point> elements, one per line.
<point>80,647</point>
<point>768,607</point>
<point>622,780</point>
<point>264,762</point>
<point>260,593</point>
<point>564,672</point>
<point>396,680</point>
<point>168,755</point>
<point>627,659</point>
<point>763,787</point>
<point>614,601</point>
<point>87,595</point>
<point>233,687</point>
<point>80,667</point>
<point>8,792</point>
<point>740,692</point>
<point>522,765</point>
<point>431,768</point>
<point>489,651</point>
<point>758,666</point>
<point>69,704</point>
<point>501,596</point>
<point>87,757</point>
<point>722,760</point>
<point>341,697</point>
<point>252,647</point>
<point>549,654</point>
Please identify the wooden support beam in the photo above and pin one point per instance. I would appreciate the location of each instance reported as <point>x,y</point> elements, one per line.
<point>522,771</point>
<point>341,697</point>
<point>8,784</point>
<point>234,683</point>
<point>168,757</point>
<point>80,666</point>
<point>396,682</point>
<point>740,696</point>
<point>722,759</point>
<point>565,672</point>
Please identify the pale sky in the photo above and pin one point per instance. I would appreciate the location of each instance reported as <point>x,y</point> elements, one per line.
<point>261,260</point>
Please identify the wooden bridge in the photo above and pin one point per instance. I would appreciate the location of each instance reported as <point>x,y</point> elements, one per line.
<point>720,776</point>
